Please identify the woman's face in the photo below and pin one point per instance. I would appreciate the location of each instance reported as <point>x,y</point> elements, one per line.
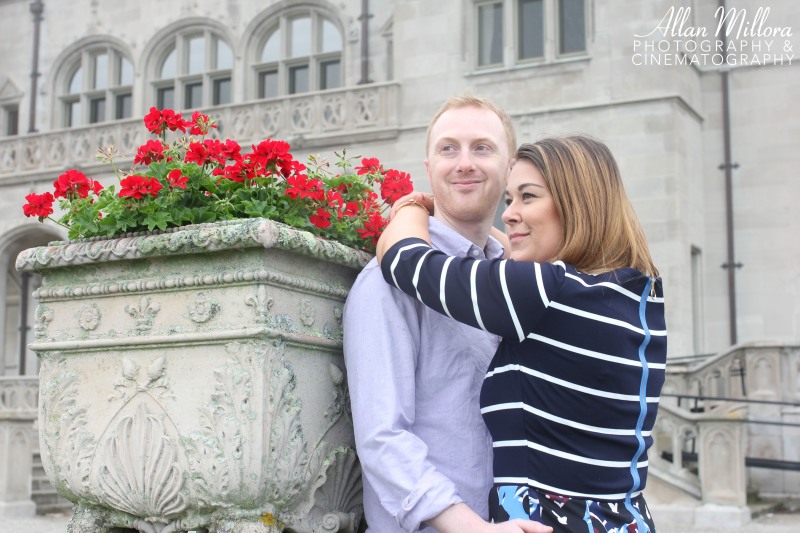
<point>531,219</point>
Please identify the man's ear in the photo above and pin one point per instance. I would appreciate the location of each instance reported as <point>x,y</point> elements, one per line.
<point>428,172</point>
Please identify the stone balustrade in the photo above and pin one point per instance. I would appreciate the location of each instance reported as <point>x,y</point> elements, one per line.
<point>703,454</point>
<point>318,119</point>
<point>18,439</point>
<point>754,371</point>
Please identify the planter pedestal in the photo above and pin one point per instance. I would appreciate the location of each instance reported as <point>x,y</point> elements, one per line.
<point>194,380</point>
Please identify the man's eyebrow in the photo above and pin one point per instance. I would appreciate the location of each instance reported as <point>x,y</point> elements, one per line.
<point>486,140</point>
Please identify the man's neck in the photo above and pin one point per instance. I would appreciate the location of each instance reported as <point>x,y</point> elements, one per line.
<point>476,232</point>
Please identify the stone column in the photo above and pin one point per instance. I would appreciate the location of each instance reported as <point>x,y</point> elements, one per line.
<point>722,469</point>
<point>16,448</point>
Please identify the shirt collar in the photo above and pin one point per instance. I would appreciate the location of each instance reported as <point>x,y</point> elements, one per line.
<point>451,242</point>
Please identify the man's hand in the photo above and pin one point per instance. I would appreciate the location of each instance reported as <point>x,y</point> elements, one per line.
<point>520,526</point>
<point>460,518</point>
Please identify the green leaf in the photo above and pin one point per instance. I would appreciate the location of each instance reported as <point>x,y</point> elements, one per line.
<point>158,220</point>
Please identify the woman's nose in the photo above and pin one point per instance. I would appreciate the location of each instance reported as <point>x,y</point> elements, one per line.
<point>509,215</point>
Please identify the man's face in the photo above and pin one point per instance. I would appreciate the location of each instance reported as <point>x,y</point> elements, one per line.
<point>467,164</point>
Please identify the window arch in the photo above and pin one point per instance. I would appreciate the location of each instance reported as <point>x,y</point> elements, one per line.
<point>194,71</point>
<point>300,51</point>
<point>98,87</point>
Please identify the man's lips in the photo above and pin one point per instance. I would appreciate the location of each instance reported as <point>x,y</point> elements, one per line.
<point>469,183</point>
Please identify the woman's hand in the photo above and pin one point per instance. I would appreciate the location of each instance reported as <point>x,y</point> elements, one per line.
<point>425,200</point>
<point>409,218</point>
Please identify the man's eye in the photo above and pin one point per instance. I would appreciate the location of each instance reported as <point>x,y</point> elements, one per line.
<point>448,150</point>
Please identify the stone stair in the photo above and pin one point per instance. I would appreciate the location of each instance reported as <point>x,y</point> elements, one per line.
<point>44,494</point>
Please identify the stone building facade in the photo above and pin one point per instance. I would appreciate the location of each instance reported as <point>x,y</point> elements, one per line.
<point>368,74</point>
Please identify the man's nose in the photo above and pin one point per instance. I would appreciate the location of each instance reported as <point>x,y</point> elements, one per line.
<point>465,161</point>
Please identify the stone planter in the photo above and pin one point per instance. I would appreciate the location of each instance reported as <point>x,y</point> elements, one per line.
<point>194,380</point>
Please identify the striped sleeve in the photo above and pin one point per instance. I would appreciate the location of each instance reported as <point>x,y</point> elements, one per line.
<point>503,297</point>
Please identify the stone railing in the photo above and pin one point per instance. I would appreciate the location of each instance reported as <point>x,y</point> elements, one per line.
<point>702,453</point>
<point>18,439</point>
<point>19,397</point>
<point>309,120</point>
<point>756,371</point>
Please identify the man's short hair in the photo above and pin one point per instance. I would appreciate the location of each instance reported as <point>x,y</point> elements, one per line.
<point>470,100</point>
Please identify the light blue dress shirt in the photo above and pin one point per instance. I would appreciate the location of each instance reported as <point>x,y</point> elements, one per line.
<point>414,378</point>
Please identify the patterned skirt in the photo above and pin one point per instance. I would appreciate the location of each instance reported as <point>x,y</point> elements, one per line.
<point>507,502</point>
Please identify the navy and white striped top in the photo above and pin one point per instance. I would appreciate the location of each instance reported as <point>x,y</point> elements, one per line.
<point>571,395</point>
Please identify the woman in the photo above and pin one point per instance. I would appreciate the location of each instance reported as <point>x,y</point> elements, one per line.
<point>571,395</point>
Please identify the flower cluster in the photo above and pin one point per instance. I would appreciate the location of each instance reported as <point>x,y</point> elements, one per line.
<point>196,179</point>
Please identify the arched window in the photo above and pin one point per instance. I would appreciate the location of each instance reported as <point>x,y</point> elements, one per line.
<point>300,51</point>
<point>98,87</point>
<point>194,71</point>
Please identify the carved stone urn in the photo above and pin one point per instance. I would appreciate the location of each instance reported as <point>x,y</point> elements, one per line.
<point>194,380</point>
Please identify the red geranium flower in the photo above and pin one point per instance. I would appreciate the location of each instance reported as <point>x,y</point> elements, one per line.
<point>212,151</point>
<point>230,150</point>
<point>152,150</point>
<point>200,124</point>
<point>373,226</point>
<point>322,219</point>
<point>350,210</point>
<point>72,182</point>
<point>176,179</point>
<point>139,186</point>
<point>395,185</point>
<point>39,205</point>
<point>271,153</point>
<point>237,171</point>
<point>158,122</point>
<point>369,165</point>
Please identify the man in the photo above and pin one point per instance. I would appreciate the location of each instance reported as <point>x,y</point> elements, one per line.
<point>414,375</point>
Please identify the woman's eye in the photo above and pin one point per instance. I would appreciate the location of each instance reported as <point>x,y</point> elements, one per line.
<point>528,196</point>
<point>507,201</point>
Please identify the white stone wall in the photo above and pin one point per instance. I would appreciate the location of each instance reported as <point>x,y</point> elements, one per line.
<point>662,122</point>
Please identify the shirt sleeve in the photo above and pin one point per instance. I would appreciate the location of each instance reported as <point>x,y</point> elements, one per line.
<point>381,344</point>
<point>503,297</point>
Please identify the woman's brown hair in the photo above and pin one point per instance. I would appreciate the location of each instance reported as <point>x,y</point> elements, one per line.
<point>601,229</point>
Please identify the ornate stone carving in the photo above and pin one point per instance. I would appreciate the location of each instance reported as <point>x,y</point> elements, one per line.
<point>334,331</point>
<point>144,313</point>
<point>203,308</point>
<point>241,418</point>
<point>18,395</point>
<point>89,317</point>
<point>271,119</point>
<point>333,112</point>
<point>138,472</point>
<point>306,311</point>
<point>261,302</point>
<point>67,445</point>
<point>43,316</point>
<point>129,385</point>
